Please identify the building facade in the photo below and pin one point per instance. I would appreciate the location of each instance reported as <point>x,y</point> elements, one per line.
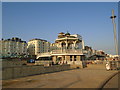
<point>67,49</point>
<point>36,46</point>
<point>68,41</point>
<point>14,46</point>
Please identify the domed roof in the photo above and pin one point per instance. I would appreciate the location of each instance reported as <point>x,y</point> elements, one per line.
<point>67,33</point>
<point>61,33</point>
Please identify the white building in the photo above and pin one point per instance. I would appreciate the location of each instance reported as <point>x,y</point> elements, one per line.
<point>68,41</point>
<point>36,46</point>
<point>67,49</point>
<point>14,46</point>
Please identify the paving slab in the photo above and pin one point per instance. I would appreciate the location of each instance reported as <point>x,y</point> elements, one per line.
<point>91,77</point>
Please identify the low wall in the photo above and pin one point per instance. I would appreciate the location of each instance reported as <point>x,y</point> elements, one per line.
<point>22,71</point>
<point>12,62</point>
<point>77,64</point>
<point>45,63</point>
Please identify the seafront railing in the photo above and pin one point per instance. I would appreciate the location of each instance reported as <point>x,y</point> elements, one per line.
<point>67,51</point>
<point>64,51</point>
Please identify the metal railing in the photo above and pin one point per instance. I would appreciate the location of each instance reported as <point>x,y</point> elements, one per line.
<point>78,51</point>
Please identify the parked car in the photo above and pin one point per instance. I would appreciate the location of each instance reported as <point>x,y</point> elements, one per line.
<point>31,61</point>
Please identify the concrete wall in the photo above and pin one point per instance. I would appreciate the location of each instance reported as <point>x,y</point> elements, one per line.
<point>45,63</point>
<point>67,58</point>
<point>12,63</point>
<point>54,59</point>
<point>21,71</point>
<point>77,64</point>
<point>78,58</point>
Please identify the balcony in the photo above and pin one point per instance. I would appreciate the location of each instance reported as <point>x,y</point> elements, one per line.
<point>61,52</point>
<point>67,52</point>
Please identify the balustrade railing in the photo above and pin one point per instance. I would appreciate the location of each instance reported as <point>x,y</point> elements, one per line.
<point>66,51</point>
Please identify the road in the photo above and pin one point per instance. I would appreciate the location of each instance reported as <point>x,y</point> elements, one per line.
<point>113,82</point>
<point>91,77</point>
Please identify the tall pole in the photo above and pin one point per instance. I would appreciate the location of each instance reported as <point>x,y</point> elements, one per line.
<point>114,30</point>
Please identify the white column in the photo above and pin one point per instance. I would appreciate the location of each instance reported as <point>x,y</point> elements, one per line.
<point>61,46</point>
<point>74,44</point>
<point>83,47</point>
<point>66,44</point>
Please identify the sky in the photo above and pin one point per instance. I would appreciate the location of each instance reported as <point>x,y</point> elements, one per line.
<point>44,20</point>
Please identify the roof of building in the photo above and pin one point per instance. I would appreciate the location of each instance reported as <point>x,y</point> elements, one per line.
<point>67,33</point>
<point>16,39</point>
<point>61,33</point>
<point>38,39</point>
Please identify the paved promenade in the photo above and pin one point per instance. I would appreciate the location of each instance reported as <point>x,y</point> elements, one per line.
<point>113,82</point>
<point>91,77</point>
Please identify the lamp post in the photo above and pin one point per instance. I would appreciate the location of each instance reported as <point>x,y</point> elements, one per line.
<point>114,30</point>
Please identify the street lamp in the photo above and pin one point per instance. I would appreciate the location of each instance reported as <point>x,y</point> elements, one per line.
<point>114,30</point>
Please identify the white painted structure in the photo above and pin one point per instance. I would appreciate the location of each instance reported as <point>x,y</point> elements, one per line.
<point>67,49</point>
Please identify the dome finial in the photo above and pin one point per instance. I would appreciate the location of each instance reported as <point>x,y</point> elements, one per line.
<point>67,33</point>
